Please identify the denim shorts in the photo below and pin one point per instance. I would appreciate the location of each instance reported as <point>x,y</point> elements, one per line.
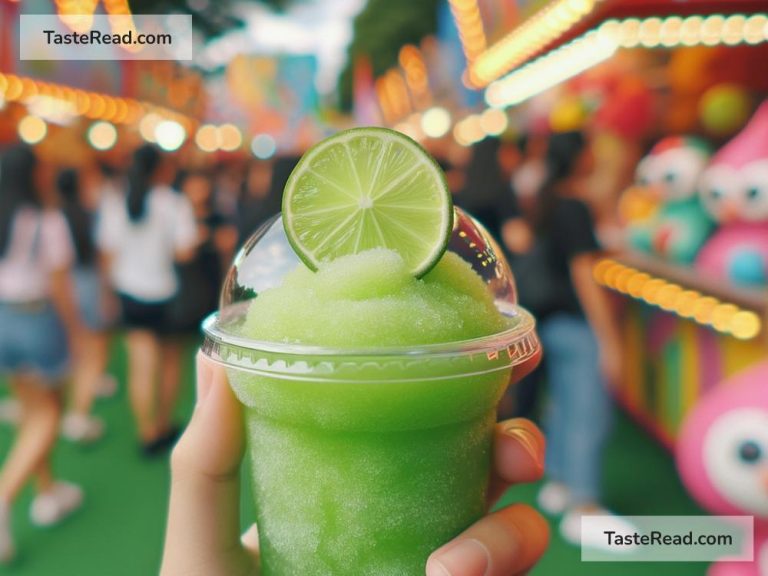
<point>33,340</point>
<point>90,299</point>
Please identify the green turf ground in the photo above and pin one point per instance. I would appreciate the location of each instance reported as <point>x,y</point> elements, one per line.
<point>119,531</point>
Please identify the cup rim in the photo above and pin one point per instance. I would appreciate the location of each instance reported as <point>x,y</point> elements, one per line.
<point>516,344</point>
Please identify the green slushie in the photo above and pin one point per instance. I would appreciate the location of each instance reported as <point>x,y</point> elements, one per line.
<point>367,472</point>
<point>370,378</point>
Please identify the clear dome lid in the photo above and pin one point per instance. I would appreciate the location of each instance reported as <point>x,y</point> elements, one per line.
<point>267,257</point>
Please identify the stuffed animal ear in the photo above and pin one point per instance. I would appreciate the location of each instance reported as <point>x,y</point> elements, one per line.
<point>749,145</point>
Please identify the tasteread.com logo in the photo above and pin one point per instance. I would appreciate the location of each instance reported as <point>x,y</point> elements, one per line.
<point>667,538</point>
<point>101,37</point>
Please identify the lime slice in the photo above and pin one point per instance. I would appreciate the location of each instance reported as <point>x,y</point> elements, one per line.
<point>368,188</point>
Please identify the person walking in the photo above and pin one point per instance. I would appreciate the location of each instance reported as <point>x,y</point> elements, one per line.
<point>142,235</point>
<point>37,320</point>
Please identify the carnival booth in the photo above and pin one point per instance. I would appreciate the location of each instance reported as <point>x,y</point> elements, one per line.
<point>690,272</point>
<point>75,111</point>
<point>680,112</point>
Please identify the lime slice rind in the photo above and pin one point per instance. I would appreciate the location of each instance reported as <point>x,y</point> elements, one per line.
<point>368,188</point>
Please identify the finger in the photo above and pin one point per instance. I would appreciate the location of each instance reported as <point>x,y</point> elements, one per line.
<point>519,449</point>
<point>203,516</point>
<point>528,366</point>
<point>506,542</point>
<point>204,370</point>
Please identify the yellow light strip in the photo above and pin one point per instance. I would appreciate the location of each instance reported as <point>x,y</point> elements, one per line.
<point>724,317</point>
<point>416,76</point>
<point>470,25</point>
<point>92,105</point>
<point>550,70</point>
<point>691,31</point>
<point>597,45</point>
<point>535,33</point>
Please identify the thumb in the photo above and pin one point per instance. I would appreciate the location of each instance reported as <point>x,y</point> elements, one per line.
<point>203,516</point>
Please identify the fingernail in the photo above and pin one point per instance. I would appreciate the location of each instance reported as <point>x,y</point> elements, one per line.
<point>528,441</point>
<point>468,557</point>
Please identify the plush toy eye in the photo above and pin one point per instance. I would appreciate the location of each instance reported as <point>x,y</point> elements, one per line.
<point>750,452</point>
<point>755,191</point>
<point>716,193</point>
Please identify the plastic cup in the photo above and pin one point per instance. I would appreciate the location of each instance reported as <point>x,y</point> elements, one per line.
<point>365,461</point>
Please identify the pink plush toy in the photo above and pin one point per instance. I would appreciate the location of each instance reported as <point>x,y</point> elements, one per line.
<point>734,190</point>
<point>722,456</point>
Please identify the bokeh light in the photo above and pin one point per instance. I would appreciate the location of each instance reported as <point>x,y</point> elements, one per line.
<point>436,122</point>
<point>493,121</point>
<point>230,137</point>
<point>148,126</point>
<point>32,129</point>
<point>263,146</point>
<point>207,138</point>
<point>170,135</point>
<point>102,135</point>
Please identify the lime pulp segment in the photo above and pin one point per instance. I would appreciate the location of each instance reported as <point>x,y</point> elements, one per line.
<point>368,188</point>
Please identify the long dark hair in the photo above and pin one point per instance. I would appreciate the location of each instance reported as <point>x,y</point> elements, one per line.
<point>563,151</point>
<point>17,188</point>
<point>79,219</point>
<point>145,163</point>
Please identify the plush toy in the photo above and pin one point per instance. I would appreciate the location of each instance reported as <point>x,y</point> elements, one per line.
<point>722,456</point>
<point>669,176</point>
<point>734,190</point>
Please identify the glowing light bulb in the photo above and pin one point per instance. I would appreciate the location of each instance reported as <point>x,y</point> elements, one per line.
<point>102,135</point>
<point>32,129</point>
<point>230,137</point>
<point>148,126</point>
<point>170,135</point>
<point>436,122</point>
<point>745,325</point>
<point>263,146</point>
<point>207,138</point>
<point>493,121</point>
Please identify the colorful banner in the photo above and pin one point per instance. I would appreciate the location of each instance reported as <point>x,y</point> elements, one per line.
<point>270,94</point>
<point>672,362</point>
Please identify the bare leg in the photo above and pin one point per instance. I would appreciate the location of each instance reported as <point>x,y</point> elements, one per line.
<point>35,438</point>
<point>89,368</point>
<point>143,362</point>
<point>44,475</point>
<point>170,381</point>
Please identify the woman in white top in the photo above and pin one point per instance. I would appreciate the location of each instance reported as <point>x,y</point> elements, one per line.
<point>36,312</point>
<point>142,235</point>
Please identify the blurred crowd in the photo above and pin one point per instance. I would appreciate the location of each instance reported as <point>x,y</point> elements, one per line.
<point>89,253</point>
<point>140,250</point>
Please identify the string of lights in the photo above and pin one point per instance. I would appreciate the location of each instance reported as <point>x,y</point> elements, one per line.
<point>530,37</point>
<point>601,43</point>
<point>466,13</point>
<point>49,102</point>
<point>706,310</point>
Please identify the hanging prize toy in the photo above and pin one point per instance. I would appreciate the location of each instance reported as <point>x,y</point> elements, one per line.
<point>734,190</point>
<point>668,177</point>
